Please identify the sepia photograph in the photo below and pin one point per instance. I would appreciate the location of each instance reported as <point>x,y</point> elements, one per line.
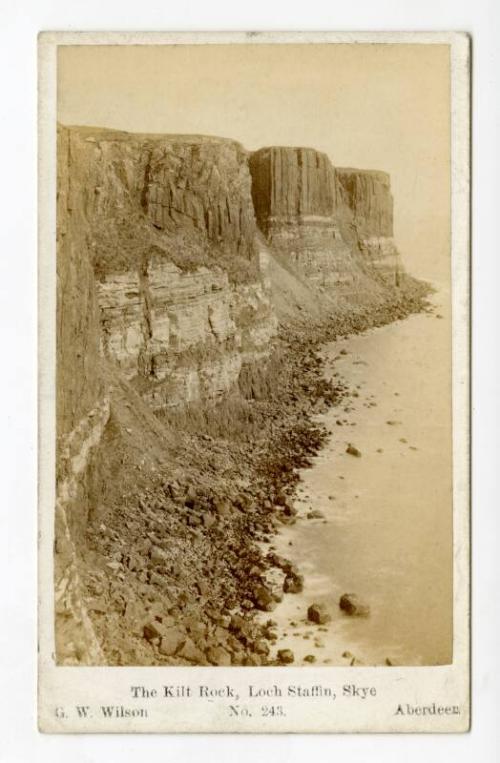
<point>253,421</point>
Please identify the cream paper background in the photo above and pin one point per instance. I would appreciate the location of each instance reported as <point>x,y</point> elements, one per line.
<point>66,687</point>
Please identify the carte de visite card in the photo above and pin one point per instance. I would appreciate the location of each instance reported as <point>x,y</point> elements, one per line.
<point>254,382</point>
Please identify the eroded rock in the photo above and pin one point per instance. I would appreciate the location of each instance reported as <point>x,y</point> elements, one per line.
<point>285,656</point>
<point>353,606</point>
<point>353,451</point>
<point>319,614</point>
<point>171,641</point>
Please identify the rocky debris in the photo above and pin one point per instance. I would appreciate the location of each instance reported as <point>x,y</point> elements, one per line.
<point>264,599</point>
<point>115,566</point>
<point>293,583</point>
<point>310,658</point>
<point>172,639</point>
<point>158,556</point>
<point>152,630</point>
<point>279,561</point>
<point>217,655</point>
<point>260,647</point>
<point>191,652</point>
<point>353,451</point>
<point>222,507</point>
<point>315,514</point>
<point>351,605</point>
<point>285,656</point>
<point>319,614</point>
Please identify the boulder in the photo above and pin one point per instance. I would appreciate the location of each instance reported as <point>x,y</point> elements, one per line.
<point>217,655</point>
<point>315,514</point>
<point>152,630</point>
<point>318,613</point>
<point>157,580</point>
<point>195,626</point>
<point>281,499</point>
<point>203,587</point>
<point>208,519</point>
<point>289,510</point>
<point>353,451</point>
<point>191,652</point>
<point>285,656</point>
<point>158,556</point>
<point>172,639</point>
<point>237,624</point>
<point>351,605</point>
<point>222,507</point>
<point>293,584</point>
<point>260,647</point>
<point>252,660</point>
<point>264,599</point>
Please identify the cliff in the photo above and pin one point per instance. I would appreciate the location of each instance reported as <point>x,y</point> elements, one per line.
<point>335,225</point>
<point>159,280</point>
<point>178,257</point>
<point>163,268</point>
<point>366,204</point>
<point>169,229</point>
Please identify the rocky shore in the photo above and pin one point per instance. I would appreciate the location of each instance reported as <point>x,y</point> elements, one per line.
<point>180,562</point>
<point>197,282</point>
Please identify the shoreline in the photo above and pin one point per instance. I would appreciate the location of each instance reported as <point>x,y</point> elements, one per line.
<point>189,580</point>
<point>334,529</point>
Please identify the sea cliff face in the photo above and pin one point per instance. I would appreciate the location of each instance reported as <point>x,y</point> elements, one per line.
<point>160,263</point>
<point>333,224</point>
<point>367,206</point>
<point>177,259</point>
<point>169,232</point>
<point>159,277</point>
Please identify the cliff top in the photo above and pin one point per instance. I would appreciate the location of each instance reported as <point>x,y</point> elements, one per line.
<point>379,174</point>
<point>90,132</point>
<point>108,133</point>
<point>287,148</point>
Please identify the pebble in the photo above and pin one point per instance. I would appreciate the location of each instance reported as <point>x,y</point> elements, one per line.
<point>353,451</point>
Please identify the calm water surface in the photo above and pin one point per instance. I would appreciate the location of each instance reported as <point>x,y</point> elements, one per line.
<point>388,530</point>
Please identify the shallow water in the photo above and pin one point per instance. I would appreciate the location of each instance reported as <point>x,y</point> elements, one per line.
<point>387,529</point>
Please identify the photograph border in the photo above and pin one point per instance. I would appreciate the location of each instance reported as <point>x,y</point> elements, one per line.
<point>57,684</point>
